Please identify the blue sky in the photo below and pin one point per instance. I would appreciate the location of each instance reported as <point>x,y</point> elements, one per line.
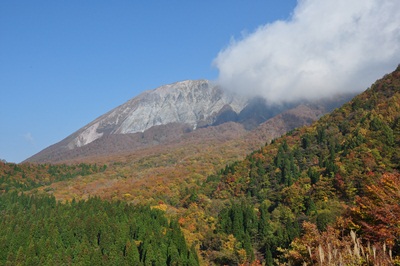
<point>64,63</point>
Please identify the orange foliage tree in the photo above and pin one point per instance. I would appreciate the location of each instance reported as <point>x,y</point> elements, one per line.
<point>378,212</point>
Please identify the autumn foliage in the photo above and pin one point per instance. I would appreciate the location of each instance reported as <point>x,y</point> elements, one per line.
<point>327,194</point>
<point>379,210</point>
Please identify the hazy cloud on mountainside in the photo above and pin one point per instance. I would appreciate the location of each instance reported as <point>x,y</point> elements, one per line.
<point>325,47</point>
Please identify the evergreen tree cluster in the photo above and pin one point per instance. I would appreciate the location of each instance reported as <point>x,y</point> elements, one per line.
<point>37,230</point>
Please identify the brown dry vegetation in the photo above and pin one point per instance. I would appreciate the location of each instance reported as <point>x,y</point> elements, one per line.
<point>156,172</point>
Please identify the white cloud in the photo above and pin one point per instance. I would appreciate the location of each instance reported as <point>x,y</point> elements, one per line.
<point>29,138</point>
<point>326,47</point>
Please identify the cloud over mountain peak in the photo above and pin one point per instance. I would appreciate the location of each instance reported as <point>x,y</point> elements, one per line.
<point>326,47</point>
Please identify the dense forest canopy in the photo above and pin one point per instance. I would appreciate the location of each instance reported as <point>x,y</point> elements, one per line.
<point>37,230</point>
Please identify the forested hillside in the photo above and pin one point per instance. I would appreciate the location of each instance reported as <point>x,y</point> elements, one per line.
<point>24,177</point>
<point>340,175</point>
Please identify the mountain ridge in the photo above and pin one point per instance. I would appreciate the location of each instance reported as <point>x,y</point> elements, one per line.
<point>174,109</point>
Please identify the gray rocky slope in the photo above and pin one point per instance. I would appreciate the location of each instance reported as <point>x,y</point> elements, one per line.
<point>192,103</point>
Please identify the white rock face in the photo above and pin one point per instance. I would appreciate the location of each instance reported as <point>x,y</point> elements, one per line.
<point>192,102</point>
<point>88,135</point>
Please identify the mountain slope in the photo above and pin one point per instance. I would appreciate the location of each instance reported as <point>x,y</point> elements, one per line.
<point>342,171</point>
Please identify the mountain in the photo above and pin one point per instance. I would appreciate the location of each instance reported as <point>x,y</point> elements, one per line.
<point>195,103</point>
<point>167,113</point>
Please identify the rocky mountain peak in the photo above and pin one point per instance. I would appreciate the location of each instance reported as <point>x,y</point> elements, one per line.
<point>192,102</point>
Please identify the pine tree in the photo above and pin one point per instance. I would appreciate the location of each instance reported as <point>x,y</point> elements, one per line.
<point>20,256</point>
<point>173,255</point>
<point>268,257</point>
<point>132,254</point>
<point>150,257</point>
<point>264,226</point>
